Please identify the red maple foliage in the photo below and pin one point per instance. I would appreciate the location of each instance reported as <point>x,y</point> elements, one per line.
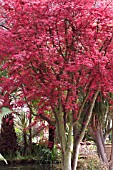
<point>52,49</point>
<point>57,52</point>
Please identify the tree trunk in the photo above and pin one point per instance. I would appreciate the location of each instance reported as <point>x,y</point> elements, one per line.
<point>65,140</point>
<point>78,138</point>
<point>25,143</point>
<point>51,137</point>
<point>66,149</point>
<point>111,160</point>
<point>66,160</point>
<point>99,141</point>
<point>101,147</point>
<point>75,156</point>
<point>30,139</point>
<point>98,137</point>
<point>30,133</point>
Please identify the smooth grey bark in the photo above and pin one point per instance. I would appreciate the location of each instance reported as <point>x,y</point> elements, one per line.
<point>98,136</point>
<point>65,139</point>
<point>75,156</point>
<point>78,138</point>
<point>66,150</point>
<point>101,147</point>
<point>67,161</point>
<point>111,160</point>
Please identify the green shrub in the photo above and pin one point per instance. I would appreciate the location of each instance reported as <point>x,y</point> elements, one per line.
<point>44,154</point>
<point>91,162</point>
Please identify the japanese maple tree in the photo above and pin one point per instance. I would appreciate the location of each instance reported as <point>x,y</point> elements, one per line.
<point>59,53</point>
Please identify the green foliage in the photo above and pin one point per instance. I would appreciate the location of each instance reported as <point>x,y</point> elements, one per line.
<point>45,155</point>
<point>21,123</point>
<point>3,73</point>
<point>5,111</point>
<point>40,153</point>
<point>91,162</point>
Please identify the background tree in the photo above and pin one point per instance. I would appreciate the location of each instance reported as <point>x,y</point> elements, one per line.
<point>101,127</point>
<point>8,138</point>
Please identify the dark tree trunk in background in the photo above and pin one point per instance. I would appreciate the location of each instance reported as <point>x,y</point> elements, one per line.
<point>8,139</point>
<point>51,137</point>
<point>25,148</point>
<point>30,133</point>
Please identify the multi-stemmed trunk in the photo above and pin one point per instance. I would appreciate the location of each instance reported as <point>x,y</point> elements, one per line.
<point>79,134</point>
<point>65,135</point>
